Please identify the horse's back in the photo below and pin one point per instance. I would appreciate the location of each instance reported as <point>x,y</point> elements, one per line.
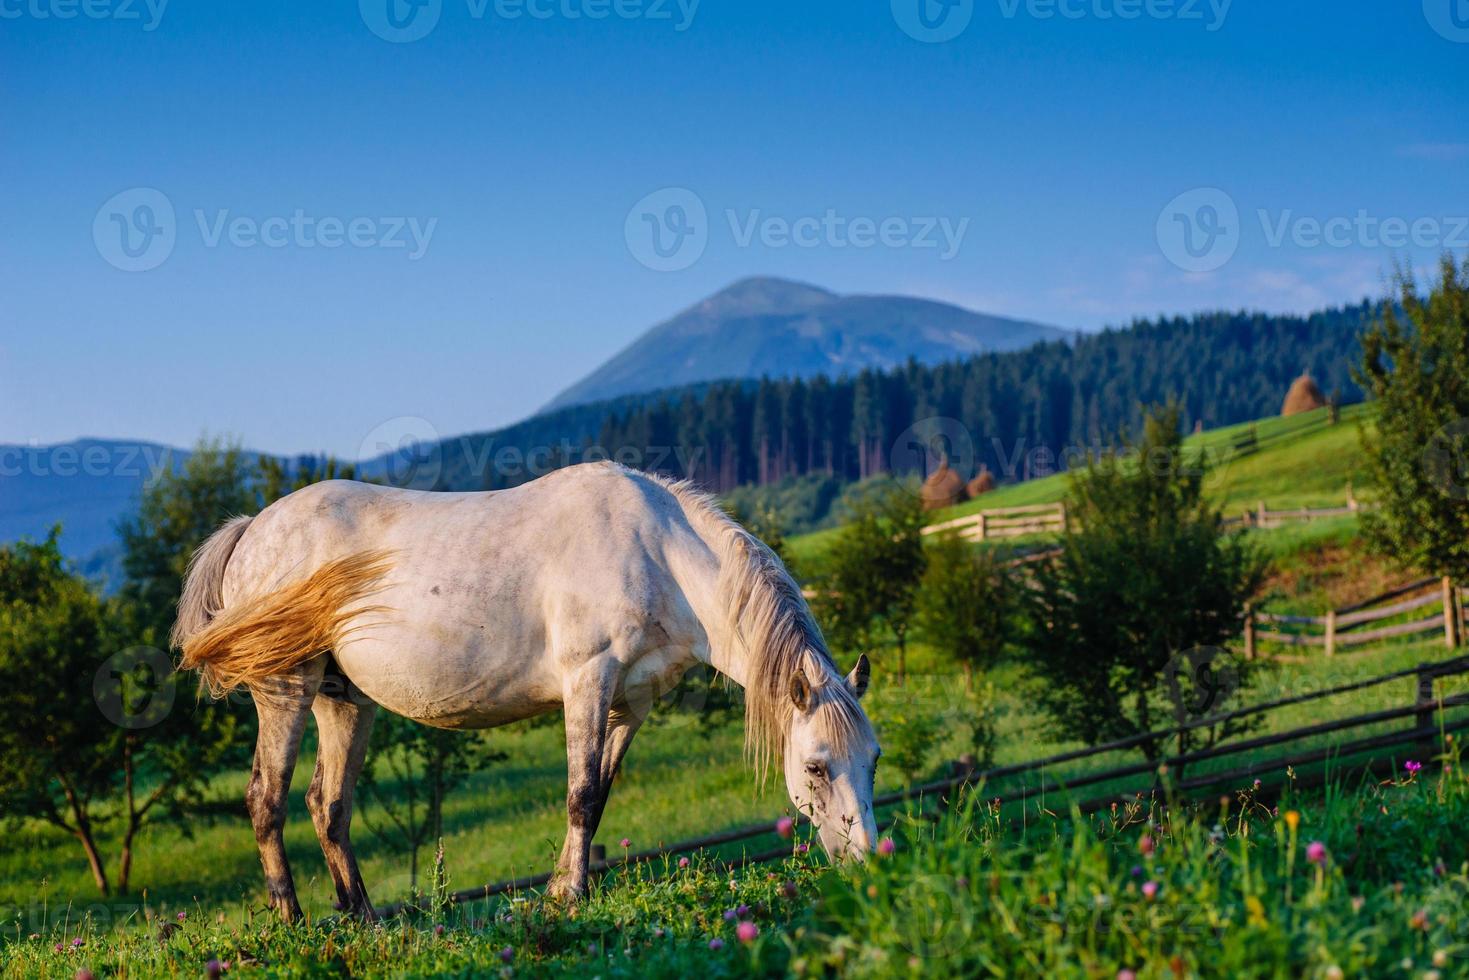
<point>483,587</point>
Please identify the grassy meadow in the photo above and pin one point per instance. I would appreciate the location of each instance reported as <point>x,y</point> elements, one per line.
<point>1052,898</point>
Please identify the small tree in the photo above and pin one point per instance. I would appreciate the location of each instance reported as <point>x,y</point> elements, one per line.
<point>274,478</point>
<point>175,514</point>
<point>965,604</point>
<point>1126,627</point>
<point>95,732</point>
<point>410,769</point>
<point>1415,363</point>
<point>872,574</point>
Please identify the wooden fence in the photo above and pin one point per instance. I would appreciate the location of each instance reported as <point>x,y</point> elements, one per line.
<point>1005,522</point>
<point>1341,627</point>
<point>1427,715</point>
<point>1013,522</point>
<point>1262,516</point>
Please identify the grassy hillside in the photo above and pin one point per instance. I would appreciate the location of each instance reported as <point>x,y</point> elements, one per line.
<point>1300,462</point>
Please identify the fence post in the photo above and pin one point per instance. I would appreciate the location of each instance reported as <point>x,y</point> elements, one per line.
<point>1331,632</point>
<point>1450,615</point>
<point>1065,517</point>
<point>1260,509</point>
<point>1426,705</point>
<point>1249,632</point>
<point>980,525</point>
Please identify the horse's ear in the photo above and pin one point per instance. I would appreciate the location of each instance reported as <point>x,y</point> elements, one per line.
<point>860,675</point>
<point>800,690</point>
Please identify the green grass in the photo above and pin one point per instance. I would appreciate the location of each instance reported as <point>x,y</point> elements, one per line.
<point>1362,879</point>
<point>1224,890</point>
<point>1300,463</point>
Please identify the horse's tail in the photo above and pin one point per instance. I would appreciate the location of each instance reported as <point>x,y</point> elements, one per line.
<point>202,598</point>
<point>274,632</point>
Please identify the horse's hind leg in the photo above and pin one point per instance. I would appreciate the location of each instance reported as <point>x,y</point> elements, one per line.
<point>282,703</point>
<point>344,725</point>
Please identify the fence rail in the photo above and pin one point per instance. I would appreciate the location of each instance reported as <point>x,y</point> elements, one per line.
<point>1339,627</point>
<point>1427,712</point>
<point>1005,522</point>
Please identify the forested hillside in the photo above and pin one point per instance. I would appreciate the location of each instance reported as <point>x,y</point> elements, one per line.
<point>1021,410</point>
<point>1225,368</point>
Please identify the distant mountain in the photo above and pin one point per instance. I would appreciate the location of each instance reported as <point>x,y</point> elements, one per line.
<point>774,327</point>
<point>86,486</point>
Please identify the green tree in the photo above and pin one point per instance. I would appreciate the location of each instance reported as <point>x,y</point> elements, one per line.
<point>872,572</point>
<point>410,770</point>
<point>965,605</point>
<point>274,478</point>
<point>96,733</point>
<point>1126,628</point>
<point>175,514</point>
<point>1415,364</point>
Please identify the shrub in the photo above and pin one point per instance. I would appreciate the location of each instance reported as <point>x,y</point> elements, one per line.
<point>1126,628</point>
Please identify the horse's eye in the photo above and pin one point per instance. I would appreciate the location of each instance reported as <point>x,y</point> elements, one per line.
<point>816,770</point>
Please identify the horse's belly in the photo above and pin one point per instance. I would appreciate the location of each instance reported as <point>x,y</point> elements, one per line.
<point>439,678</point>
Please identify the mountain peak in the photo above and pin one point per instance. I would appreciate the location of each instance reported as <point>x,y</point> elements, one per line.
<point>766,326</point>
<point>764,294</point>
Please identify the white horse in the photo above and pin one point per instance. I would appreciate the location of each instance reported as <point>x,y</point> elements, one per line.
<point>592,590</point>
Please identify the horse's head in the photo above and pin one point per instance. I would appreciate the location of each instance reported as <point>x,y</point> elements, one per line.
<point>831,758</point>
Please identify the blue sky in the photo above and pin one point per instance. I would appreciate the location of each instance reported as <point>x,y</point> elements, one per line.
<point>481,184</point>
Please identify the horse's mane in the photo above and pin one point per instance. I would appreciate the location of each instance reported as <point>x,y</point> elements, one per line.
<point>769,618</point>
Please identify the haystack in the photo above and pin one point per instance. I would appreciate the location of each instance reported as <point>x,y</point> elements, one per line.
<point>943,488</point>
<point>1304,396</point>
<point>983,482</point>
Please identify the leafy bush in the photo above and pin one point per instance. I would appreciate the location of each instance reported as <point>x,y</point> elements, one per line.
<point>965,604</point>
<point>1127,627</point>
<point>872,573</point>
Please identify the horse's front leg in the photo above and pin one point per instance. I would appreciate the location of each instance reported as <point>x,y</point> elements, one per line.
<point>588,701</point>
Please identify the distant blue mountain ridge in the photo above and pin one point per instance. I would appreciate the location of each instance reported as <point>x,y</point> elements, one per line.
<point>755,328</point>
